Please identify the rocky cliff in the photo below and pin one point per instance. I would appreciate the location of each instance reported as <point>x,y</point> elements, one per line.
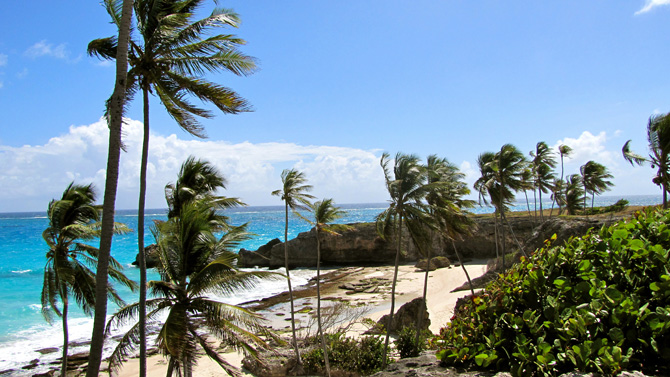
<point>363,246</point>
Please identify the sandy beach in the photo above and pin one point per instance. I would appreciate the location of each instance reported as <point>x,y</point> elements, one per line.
<point>373,304</point>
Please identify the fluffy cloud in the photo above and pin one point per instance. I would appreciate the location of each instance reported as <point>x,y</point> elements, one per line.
<point>3,60</point>
<point>33,174</point>
<point>42,48</point>
<point>650,4</point>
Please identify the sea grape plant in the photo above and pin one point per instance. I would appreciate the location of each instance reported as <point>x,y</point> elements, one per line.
<point>600,303</point>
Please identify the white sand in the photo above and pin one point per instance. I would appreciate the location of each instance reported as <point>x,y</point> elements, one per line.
<point>410,283</point>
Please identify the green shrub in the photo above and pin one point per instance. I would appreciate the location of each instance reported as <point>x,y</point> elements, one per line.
<point>600,303</point>
<point>364,356</point>
<point>407,345</point>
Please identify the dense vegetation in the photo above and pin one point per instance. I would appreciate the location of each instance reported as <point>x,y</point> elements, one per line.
<point>600,303</point>
<point>363,356</point>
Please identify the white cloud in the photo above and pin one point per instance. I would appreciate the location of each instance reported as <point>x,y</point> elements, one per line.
<point>42,48</point>
<point>32,175</point>
<point>1,84</point>
<point>3,60</point>
<point>22,73</point>
<point>650,4</point>
<point>588,147</point>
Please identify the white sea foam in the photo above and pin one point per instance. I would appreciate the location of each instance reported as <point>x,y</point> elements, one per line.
<point>21,347</point>
<point>21,271</point>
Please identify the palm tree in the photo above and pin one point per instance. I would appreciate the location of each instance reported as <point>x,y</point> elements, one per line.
<point>197,180</point>
<point>115,106</point>
<point>195,264</point>
<point>543,162</point>
<point>485,185</point>
<point>323,213</point>
<point>169,61</point>
<point>528,184</point>
<point>564,151</point>
<point>68,268</point>
<point>407,186</point>
<point>557,195</point>
<point>445,197</point>
<point>502,176</point>
<point>658,135</point>
<point>294,193</point>
<point>573,194</point>
<point>594,178</point>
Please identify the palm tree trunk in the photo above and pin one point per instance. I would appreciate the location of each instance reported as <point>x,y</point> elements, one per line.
<point>511,230</point>
<point>593,199</point>
<point>419,322</point>
<point>170,369</point>
<point>528,207</point>
<point>395,280</point>
<point>290,289</point>
<point>460,260</point>
<point>503,244</point>
<point>495,233</point>
<point>66,335</point>
<point>665,194</point>
<point>141,258</point>
<point>539,191</point>
<point>111,182</point>
<point>318,300</point>
<point>535,202</point>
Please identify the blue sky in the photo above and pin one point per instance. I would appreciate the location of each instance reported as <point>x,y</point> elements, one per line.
<point>338,84</point>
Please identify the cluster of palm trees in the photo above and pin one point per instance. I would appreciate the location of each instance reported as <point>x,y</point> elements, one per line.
<point>507,172</point>
<point>424,199</point>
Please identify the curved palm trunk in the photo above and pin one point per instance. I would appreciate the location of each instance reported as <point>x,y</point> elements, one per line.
<point>141,259</point>
<point>290,289</point>
<point>111,182</point>
<point>395,280</point>
<point>511,230</point>
<point>318,300</point>
<point>66,335</point>
<point>460,260</point>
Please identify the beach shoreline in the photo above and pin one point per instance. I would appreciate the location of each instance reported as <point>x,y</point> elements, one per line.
<point>440,302</point>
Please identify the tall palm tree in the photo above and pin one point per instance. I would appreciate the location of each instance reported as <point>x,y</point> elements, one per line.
<point>169,61</point>
<point>115,107</point>
<point>573,194</point>
<point>557,195</point>
<point>528,184</point>
<point>447,205</point>
<point>543,163</point>
<point>485,185</point>
<point>294,193</point>
<point>323,213</point>
<point>564,151</point>
<point>407,186</point>
<point>502,177</point>
<point>594,178</point>
<point>194,265</point>
<point>68,272</point>
<point>658,136</point>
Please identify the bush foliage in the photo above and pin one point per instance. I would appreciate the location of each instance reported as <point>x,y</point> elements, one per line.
<point>600,303</point>
<point>407,345</point>
<point>363,356</point>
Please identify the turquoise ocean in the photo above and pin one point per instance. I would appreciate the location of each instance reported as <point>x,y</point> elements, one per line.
<point>23,330</point>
